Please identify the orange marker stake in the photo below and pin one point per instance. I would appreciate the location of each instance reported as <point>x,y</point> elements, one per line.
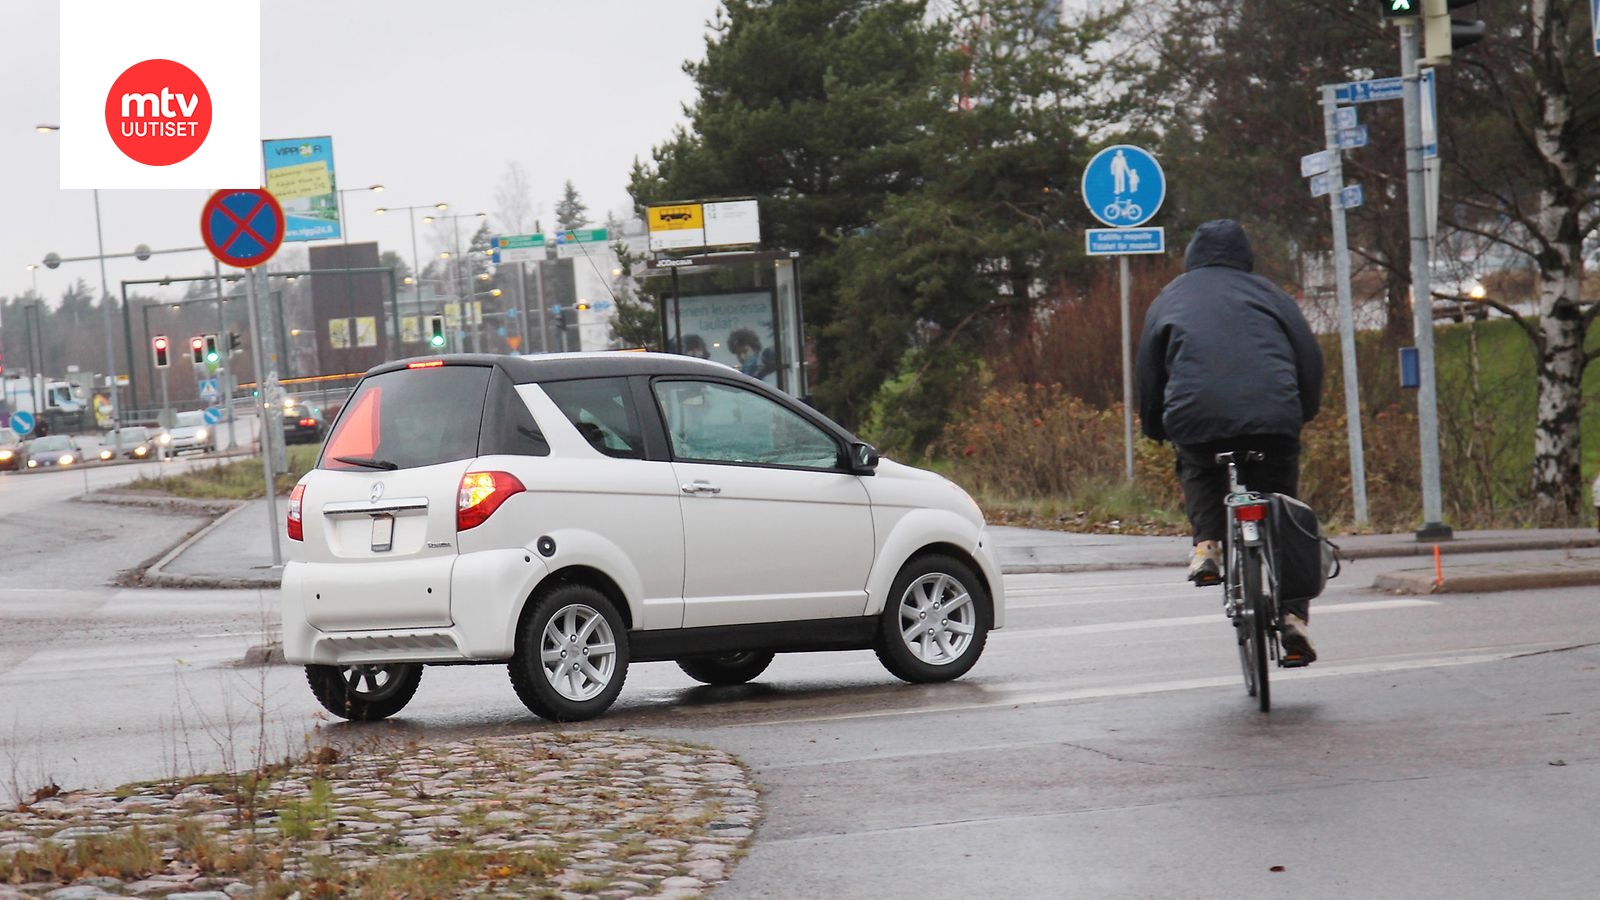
<point>1438,568</point>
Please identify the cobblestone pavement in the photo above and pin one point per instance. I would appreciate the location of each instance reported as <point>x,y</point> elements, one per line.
<point>551,815</point>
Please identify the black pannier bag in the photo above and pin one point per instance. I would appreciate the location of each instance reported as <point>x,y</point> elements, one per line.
<point>1303,559</point>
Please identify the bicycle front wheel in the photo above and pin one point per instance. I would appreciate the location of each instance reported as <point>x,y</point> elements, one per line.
<point>1256,613</point>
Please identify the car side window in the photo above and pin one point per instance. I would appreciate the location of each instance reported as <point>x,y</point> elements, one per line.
<point>709,421</point>
<point>508,427</point>
<point>602,410</point>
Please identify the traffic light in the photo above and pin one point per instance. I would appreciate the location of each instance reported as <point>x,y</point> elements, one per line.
<point>197,349</point>
<point>159,346</point>
<point>1441,34</point>
<point>561,316</point>
<point>211,349</point>
<point>1401,9</point>
<point>436,331</point>
<point>235,343</point>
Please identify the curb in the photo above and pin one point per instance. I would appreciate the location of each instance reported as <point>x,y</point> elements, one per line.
<point>153,576</point>
<point>1492,578</point>
<point>1502,545</point>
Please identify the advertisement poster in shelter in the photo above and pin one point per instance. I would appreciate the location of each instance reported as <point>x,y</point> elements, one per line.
<point>300,174</point>
<point>733,329</point>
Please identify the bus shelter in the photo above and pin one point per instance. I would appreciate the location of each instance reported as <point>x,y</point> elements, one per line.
<point>739,309</point>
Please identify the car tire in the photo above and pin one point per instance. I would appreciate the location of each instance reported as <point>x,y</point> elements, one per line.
<point>935,621</point>
<point>572,654</point>
<point>364,693</point>
<point>729,668</point>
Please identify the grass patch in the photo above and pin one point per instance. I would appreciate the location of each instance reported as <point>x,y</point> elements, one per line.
<point>237,479</point>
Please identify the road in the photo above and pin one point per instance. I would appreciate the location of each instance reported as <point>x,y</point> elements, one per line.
<point>1102,747</point>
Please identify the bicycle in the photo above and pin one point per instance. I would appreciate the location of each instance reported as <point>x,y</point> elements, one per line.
<point>1123,208</point>
<point>1250,580</point>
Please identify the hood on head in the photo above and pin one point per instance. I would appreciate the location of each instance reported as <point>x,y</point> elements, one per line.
<point>1220,242</point>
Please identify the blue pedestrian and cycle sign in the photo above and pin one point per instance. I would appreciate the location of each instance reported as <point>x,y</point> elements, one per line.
<point>22,423</point>
<point>1123,186</point>
<point>242,227</point>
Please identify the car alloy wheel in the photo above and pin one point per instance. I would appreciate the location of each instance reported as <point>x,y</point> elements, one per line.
<point>935,622</point>
<point>578,652</point>
<point>364,692</point>
<point>937,619</point>
<point>572,653</point>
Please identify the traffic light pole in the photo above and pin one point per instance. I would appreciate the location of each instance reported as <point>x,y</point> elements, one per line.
<point>1433,527</point>
<point>264,398</point>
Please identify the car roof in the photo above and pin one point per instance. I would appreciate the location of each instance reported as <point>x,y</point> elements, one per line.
<point>564,366</point>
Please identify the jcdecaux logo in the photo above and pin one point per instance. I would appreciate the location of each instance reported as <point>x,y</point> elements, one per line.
<point>158,112</point>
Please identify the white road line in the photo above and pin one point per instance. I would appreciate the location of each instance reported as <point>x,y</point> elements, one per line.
<point>1215,618</point>
<point>1158,687</point>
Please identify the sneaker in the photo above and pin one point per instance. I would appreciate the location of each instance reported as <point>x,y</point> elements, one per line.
<point>1205,566</point>
<point>1297,649</point>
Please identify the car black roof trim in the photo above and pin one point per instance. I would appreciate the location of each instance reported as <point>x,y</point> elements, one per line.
<point>567,366</point>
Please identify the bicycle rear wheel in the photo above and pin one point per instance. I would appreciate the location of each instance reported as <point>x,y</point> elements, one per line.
<point>1256,613</point>
<point>1241,623</point>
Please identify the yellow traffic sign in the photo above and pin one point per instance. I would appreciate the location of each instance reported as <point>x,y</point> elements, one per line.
<point>681,217</point>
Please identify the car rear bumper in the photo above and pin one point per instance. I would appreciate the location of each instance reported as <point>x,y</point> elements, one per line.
<point>487,592</point>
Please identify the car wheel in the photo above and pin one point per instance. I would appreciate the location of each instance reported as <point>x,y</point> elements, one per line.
<point>730,668</point>
<point>367,692</point>
<point>935,622</point>
<point>572,655</point>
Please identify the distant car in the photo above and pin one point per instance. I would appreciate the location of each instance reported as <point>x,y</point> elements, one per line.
<point>301,425</point>
<point>56,450</point>
<point>189,433</point>
<point>13,452</point>
<point>132,442</point>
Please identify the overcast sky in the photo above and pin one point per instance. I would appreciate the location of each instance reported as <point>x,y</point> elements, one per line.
<point>427,97</point>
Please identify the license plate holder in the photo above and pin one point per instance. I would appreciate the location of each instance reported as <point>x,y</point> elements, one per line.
<point>382,533</point>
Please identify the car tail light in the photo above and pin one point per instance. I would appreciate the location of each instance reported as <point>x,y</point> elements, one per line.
<point>297,528</point>
<point>1255,512</point>
<point>481,494</point>
<point>308,423</point>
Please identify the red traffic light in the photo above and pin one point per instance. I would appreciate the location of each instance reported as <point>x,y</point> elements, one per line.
<point>197,343</point>
<point>161,343</point>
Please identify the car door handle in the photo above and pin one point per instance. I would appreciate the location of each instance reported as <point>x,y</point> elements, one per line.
<point>701,487</point>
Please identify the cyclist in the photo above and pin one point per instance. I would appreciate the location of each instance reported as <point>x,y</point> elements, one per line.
<point>1227,362</point>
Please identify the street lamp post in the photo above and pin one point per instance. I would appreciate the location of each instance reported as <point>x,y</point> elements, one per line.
<point>105,296</point>
<point>416,261</point>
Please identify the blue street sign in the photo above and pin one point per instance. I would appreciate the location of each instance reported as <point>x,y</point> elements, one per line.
<point>209,392</point>
<point>1315,163</point>
<point>1410,368</point>
<point>212,415</point>
<point>1321,185</point>
<point>1350,138</point>
<point>1123,186</point>
<point>22,423</point>
<point>1350,197</point>
<point>1430,115</point>
<point>1594,14</point>
<point>1370,91</point>
<point>1125,241</point>
<point>1344,117</point>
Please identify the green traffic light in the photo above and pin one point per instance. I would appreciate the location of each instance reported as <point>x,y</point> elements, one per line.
<point>437,340</point>
<point>212,356</point>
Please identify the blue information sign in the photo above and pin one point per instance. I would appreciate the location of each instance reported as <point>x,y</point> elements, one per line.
<point>1123,241</point>
<point>1370,91</point>
<point>1124,186</point>
<point>22,423</point>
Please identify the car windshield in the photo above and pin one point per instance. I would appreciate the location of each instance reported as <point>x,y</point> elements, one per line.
<point>131,435</point>
<point>51,445</point>
<point>190,419</point>
<point>296,412</point>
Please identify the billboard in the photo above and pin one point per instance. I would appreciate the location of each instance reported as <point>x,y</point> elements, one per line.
<point>733,329</point>
<point>300,174</point>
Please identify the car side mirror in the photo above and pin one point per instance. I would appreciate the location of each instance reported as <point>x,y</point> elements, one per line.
<point>863,458</point>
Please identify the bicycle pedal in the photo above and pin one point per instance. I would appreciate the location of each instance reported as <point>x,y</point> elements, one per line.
<point>1293,662</point>
<point>1200,581</point>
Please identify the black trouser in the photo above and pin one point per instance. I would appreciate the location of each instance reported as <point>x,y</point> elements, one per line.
<point>1205,481</point>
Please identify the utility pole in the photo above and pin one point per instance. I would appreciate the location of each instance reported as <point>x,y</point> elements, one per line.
<point>1347,324</point>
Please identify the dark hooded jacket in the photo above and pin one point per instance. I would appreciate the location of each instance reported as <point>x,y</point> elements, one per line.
<point>1224,353</point>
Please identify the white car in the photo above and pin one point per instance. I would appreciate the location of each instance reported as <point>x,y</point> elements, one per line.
<point>189,432</point>
<point>568,515</point>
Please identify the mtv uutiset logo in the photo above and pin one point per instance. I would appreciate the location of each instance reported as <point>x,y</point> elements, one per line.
<point>160,94</point>
<point>158,112</point>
